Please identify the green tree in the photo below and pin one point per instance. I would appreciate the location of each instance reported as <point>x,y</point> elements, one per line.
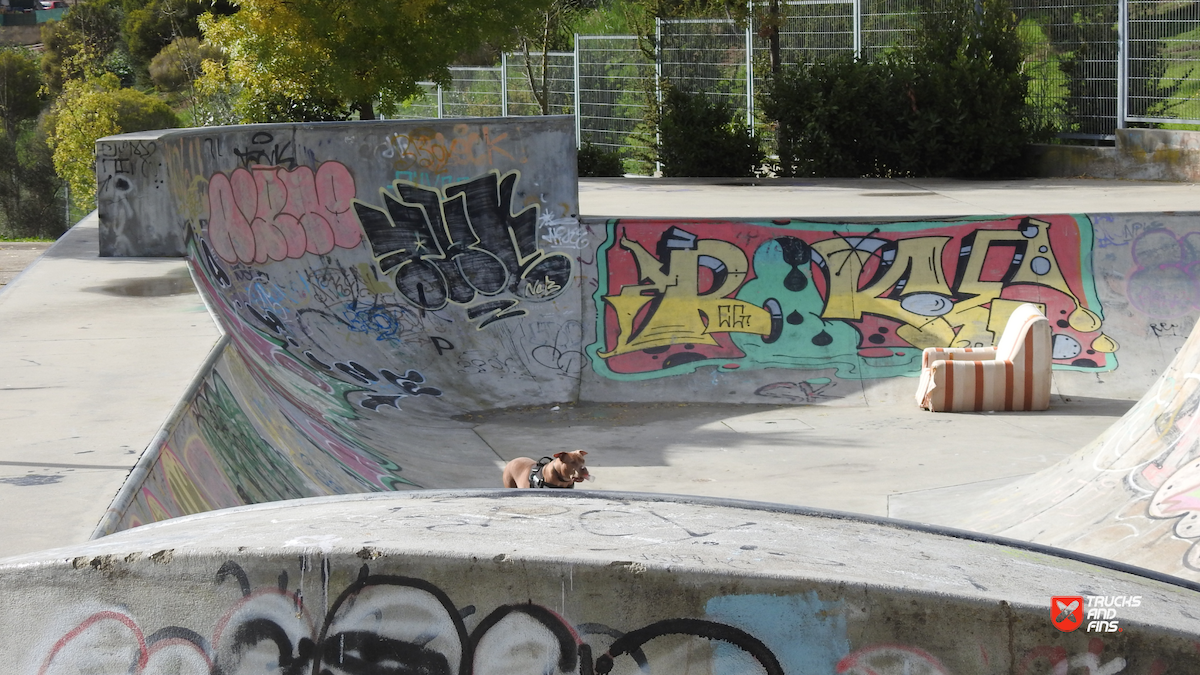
<point>700,136</point>
<point>28,185</point>
<point>176,68</point>
<point>89,110</point>
<point>549,30</point>
<point>357,52</point>
<point>178,65</point>
<point>20,83</point>
<point>150,25</point>
<point>954,104</point>
<point>81,45</point>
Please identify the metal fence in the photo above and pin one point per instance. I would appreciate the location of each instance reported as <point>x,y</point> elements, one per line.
<point>1074,45</point>
<point>1094,65</point>
<point>614,84</point>
<point>711,56</point>
<point>1162,61</point>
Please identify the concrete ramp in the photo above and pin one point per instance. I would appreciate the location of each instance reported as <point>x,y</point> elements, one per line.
<point>529,583</point>
<point>362,310</point>
<point>1133,494</point>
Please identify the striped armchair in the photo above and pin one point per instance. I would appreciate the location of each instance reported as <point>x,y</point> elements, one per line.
<point>1013,375</point>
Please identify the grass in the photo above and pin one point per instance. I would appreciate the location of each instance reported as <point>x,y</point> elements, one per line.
<point>1182,54</point>
<point>610,18</point>
<point>1047,83</point>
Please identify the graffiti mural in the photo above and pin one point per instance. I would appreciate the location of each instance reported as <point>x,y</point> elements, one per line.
<point>430,151</point>
<point>271,213</point>
<point>380,623</point>
<point>462,243</point>
<point>324,615</point>
<point>675,296</point>
<point>1165,283</point>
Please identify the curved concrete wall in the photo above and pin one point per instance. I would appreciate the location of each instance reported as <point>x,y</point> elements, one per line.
<point>523,582</point>
<point>1133,494</point>
<point>377,280</point>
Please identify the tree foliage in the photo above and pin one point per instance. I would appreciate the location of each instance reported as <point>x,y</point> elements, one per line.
<point>81,44</point>
<point>28,184</point>
<point>180,63</point>
<point>548,30</point>
<point>356,52</point>
<point>151,25</point>
<point>89,110</point>
<point>701,136</point>
<point>20,83</point>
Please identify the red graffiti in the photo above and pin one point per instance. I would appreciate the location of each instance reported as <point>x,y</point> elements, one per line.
<point>269,213</point>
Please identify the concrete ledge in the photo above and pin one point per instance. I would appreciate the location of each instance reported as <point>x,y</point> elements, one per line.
<point>521,581</point>
<point>1072,161</point>
<point>1159,154</point>
<point>1139,154</point>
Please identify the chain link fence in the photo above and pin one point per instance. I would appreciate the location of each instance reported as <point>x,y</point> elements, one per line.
<point>1094,65</point>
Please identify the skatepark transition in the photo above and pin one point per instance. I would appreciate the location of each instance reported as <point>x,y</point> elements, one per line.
<point>376,281</point>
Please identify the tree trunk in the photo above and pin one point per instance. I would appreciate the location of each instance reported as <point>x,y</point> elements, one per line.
<point>366,110</point>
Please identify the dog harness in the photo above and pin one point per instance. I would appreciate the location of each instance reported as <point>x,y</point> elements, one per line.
<point>536,480</point>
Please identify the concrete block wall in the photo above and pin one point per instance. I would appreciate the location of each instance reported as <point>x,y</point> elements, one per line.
<point>1138,154</point>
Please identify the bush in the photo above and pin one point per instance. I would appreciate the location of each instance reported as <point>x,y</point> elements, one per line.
<point>952,105</point>
<point>181,62</point>
<point>92,109</point>
<point>596,162</point>
<point>29,202</point>
<point>700,137</point>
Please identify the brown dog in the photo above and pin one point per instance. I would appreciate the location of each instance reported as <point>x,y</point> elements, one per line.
<point>564,470</point>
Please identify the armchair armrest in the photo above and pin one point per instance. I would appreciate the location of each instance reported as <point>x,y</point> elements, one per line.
<point>931,354</point>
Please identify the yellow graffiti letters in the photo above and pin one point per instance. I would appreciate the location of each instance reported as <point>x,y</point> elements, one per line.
<point>669,307</point>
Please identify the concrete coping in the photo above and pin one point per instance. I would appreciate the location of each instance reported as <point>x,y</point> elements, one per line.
<point>747,538</point>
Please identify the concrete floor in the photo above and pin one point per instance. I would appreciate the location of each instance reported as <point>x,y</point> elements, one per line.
<point>896,461</point>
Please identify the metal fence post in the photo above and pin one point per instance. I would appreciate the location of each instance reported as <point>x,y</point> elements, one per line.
<point>439,101</point>
<point>577,106</point>
<point>658,94</point>
<point>857,12</point>
<point>504,84</point>
<point>749,79</point>
<point>1122,62</point>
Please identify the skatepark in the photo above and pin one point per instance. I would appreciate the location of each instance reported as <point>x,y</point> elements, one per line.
<point>426,330</point>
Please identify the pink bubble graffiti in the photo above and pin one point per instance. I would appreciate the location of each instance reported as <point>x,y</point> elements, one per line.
<point>269,213</point>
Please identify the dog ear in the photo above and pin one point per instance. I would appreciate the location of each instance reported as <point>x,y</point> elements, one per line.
<point>558,455</point>
<point>582,452</point>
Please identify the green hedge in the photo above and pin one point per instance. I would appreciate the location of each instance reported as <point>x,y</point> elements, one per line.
<point>952,105</point>
<point>699,136</point>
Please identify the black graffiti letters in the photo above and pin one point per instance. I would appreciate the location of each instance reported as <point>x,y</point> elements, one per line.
<point>453,245</point>
<point>261,151</point>
<point>441,344</point>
